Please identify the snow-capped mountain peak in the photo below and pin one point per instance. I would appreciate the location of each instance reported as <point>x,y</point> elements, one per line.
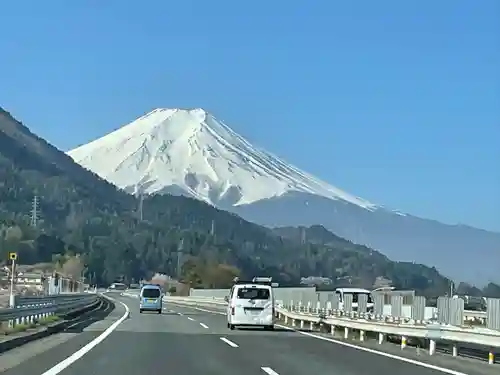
<point>189,151</point>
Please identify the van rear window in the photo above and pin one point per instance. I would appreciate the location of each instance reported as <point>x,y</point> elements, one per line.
<point>150,293</point>
<point>253,293</point>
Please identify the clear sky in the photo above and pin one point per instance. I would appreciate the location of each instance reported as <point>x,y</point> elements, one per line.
<point>395,101</point>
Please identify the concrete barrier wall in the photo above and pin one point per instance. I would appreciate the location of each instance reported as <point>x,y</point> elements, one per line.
<point>280,294</point>
<point>208,293</point>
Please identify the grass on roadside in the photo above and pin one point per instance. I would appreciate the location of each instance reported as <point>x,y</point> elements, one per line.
<point>6,330</point>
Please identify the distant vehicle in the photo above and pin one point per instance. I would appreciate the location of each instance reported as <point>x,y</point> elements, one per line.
<point>341,292</point>
<point>251,303</point>
<point>150,298</point>
<point>118,286</point>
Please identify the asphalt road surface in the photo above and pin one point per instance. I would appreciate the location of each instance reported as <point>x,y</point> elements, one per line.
<point>189,341</point>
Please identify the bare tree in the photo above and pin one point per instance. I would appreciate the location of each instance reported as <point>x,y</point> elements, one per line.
<point>73,267</point>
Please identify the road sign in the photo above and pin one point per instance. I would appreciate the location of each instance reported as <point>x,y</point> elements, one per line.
<point>12,256</point>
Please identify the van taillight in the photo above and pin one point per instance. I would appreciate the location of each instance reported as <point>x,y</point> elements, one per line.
<point>232,310</point>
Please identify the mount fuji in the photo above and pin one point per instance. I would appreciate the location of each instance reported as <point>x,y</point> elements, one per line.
<point>192,153</point>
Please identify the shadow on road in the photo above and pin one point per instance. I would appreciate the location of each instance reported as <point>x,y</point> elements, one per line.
<point>85,320</point>
<point>276,329</point>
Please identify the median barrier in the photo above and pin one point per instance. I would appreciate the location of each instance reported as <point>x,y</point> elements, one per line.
<point>31,311</point>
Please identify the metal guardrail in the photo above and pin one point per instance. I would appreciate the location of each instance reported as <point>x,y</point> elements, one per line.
<point>300,315</point>
<point>29,309</point>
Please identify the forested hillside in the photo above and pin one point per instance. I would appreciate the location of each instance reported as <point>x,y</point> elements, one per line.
<point>82,214</point>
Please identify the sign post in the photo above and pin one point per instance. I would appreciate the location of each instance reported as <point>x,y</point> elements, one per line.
<point>12,300</point>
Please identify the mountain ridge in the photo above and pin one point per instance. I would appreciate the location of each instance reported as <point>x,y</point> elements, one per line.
<point>221,144</point>
<point>82,214</point>
<point>190,152</point>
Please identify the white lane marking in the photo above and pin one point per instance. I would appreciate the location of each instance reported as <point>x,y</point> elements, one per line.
<point>87,348</point>
<point>191,319</point>
<point>203,325</point>
<point>368,350</point>
<point>210,311</point>
<point>377,352</point>
<point>269,370</point>
<point>229,342</point>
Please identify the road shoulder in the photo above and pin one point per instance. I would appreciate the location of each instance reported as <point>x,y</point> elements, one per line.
<point>37,356</point>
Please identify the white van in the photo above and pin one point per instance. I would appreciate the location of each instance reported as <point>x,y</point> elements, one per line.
<point>355,293</point>
<point>251,304</point>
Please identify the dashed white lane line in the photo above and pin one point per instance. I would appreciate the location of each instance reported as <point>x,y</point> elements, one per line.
<point>191,319</point>
<point>269,370</point>
<point>368,350</point>
<point>229,342</point>
<point>203,325</point>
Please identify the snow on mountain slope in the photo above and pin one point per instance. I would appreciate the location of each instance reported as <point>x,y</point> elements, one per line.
<point>194,151</point>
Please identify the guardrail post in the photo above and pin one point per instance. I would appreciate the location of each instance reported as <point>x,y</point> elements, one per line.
<point>346,333</point>
<point>318,307</point>
<point>432,347</point>
<point>381,338</point>
<point>403,342</point>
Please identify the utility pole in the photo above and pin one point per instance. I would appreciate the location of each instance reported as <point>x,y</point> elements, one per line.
<point>12,298</point>
<point>34,212</point>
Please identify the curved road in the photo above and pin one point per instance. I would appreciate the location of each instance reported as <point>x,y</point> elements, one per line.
<point>189,341</point>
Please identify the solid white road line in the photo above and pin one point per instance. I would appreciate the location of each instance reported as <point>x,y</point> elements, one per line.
<point>191,319</point>
<point>203,325</point>
<point>269,370</point>
<point>87,348</point>
<point>377,352</point>
<point>229,342</point>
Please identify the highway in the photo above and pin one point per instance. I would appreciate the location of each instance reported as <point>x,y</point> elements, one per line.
<point>189,341</point>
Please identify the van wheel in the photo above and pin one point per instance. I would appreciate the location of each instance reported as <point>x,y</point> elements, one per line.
<point>269,328</point>
<point>227,324</point>
<point>140,311</point>
<point>231,327</point>
<point>159,311</point>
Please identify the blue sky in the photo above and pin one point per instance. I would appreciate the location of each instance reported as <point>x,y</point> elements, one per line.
<point>395,101</point>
